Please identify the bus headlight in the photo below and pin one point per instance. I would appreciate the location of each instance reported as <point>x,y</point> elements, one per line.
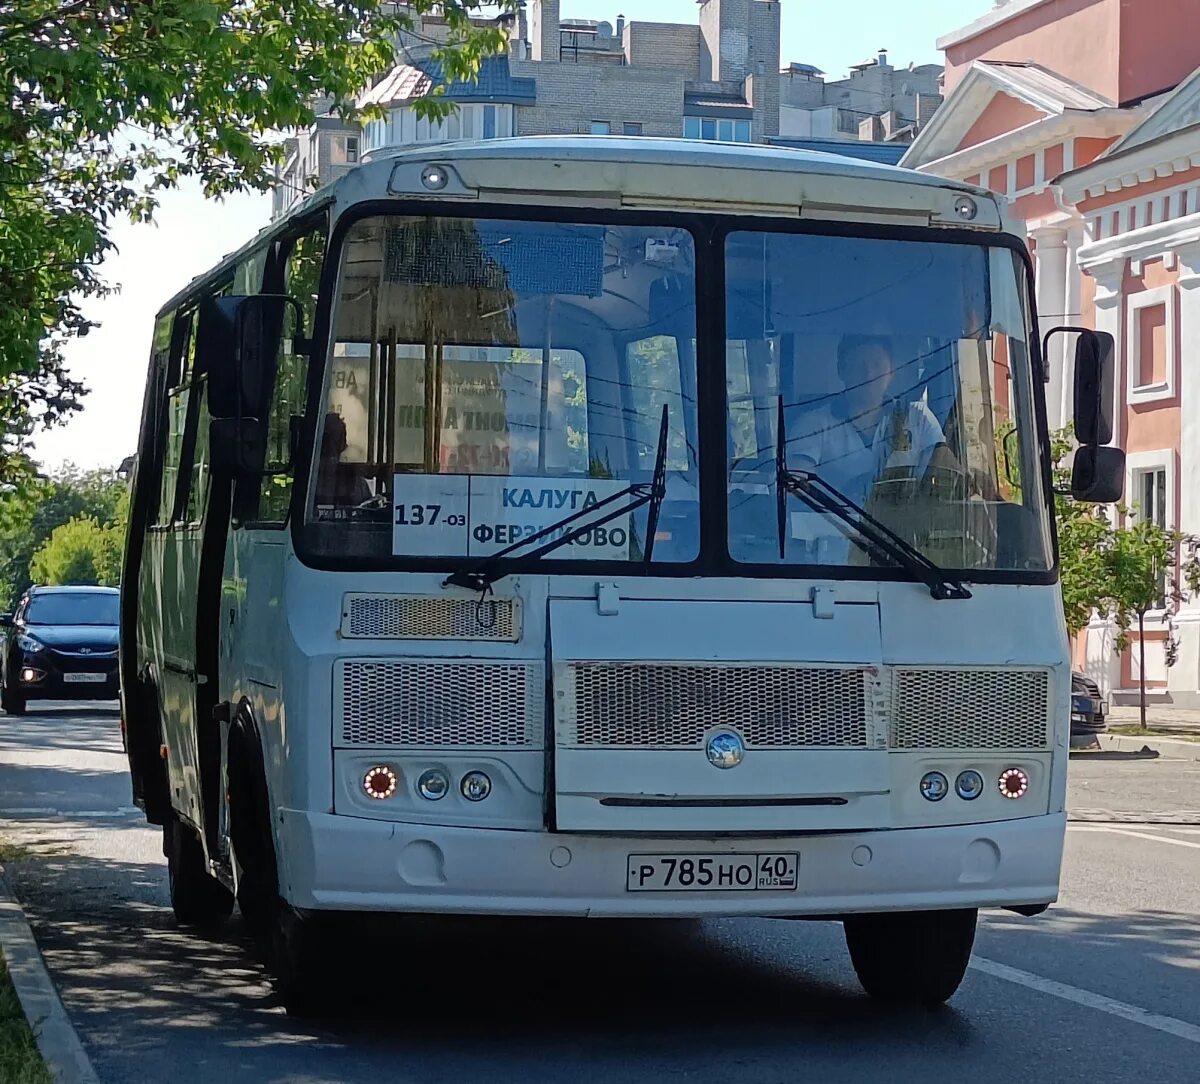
<point>969,785</point>
<point>934,786</point>
<point>475,786</point>
<point>380,782</point>
<point>433,785</point>
<point>1013,783</point>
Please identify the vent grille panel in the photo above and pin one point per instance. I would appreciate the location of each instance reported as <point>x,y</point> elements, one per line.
<point>400,617</point>
<point>441,703</point>
<point>970,709</point>
<point>674,705</point>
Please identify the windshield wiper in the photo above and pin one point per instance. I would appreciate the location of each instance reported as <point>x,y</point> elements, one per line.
<point>870,534</point>
<point>652,494</point>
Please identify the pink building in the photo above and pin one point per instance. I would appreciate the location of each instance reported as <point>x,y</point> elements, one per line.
<point>1086,114</point>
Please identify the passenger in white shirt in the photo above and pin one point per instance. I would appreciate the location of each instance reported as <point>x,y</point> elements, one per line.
<point>867,429</point>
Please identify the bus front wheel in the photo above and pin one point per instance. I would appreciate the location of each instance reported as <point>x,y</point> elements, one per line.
<point>197,898</point>
<point>12,703</point>
<point>915,957</point>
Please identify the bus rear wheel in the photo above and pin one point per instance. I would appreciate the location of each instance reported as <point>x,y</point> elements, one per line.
<point>913,957</point>
<point>197,898</point>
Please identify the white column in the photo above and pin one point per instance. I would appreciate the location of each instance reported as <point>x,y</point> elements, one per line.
<point>1051,282</point>
<point>1071,315</point>
<point>1184,677</point>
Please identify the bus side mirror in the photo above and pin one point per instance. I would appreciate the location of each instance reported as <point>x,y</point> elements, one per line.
<point>1094,375</point>
<point>236,346</point>
<point>6,621</point>
<point>1098,474</point>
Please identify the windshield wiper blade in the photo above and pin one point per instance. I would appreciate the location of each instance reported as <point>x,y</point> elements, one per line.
<point>652,494</point>
<point>870,534</point>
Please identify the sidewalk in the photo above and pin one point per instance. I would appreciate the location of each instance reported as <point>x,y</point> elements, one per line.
<point>1160,717</point>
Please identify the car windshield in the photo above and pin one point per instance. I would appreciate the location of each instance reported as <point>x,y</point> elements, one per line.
<point>489,377</point>
<point>901,371</point>
<point>74,608</point>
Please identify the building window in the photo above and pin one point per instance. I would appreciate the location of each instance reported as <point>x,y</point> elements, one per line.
<point>631,127</point>
<point>489,122</point>
<point>344,150</point>
<point>601,127</point>
<point>1152,495</point>
<point>716,129</point>
<point>1150,483</point>
<point>1150,333</point>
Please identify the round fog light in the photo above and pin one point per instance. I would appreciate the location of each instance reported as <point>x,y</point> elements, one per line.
<point>934,786</point>
<point>475,786</point>
<point>380,782</point>
<point>433,784</point>
<point>969,785</point>
<point>1013,783</point>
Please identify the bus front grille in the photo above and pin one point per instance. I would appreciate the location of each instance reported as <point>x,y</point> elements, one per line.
<point>418,617</point>
<point>944,708</point>
<point>439,703</point>
<point>675,705</point>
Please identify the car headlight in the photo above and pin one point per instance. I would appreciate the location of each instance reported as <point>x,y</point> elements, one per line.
<point>28,643</point>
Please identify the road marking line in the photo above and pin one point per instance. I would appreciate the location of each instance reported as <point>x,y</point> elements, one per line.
<point>1136,835</point>
<point>1179,1028</point>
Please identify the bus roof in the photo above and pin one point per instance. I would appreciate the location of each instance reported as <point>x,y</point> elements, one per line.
<point>605,162</point>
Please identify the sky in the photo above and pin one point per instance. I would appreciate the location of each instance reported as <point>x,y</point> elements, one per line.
<point>191,234</point>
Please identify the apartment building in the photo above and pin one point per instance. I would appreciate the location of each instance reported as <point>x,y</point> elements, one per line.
<point>876,102</point>
<point>1087,117</point>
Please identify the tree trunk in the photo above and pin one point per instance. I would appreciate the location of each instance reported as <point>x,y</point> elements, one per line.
<point>1142,662</point>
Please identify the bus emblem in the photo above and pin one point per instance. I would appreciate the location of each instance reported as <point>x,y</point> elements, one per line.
<point>725,749</point>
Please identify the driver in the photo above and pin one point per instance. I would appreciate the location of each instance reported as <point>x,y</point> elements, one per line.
<point>869,428</point>
<point>338,483</point>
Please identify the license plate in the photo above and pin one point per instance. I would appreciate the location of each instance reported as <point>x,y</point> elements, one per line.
<point>711,872</point>
<point>98,678</point>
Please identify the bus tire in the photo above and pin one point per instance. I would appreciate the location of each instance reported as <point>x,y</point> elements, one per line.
<point>297,963</point>
<point>912,957</point>
<point>197,898</point>
<point>12,703</point>
<point>250,829</point>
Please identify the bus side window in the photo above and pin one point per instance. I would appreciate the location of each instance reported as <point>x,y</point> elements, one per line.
<point>301,280</point>
<point>176,411</point>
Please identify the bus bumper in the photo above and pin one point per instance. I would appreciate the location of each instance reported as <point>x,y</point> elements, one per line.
<point>331,862</point>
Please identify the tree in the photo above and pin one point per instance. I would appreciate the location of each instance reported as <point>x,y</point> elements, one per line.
<point>1084,534</point>
<point>79,551</point>
<point>30,513</point>
<point>1118,565</point>
<point>108,102</point>
<point>1150,567</point>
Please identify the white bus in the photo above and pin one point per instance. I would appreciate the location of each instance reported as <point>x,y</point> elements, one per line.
<point>610,527</point>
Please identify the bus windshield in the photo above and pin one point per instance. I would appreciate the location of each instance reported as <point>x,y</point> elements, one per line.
<point>900,370</point>
<point>488,378</point>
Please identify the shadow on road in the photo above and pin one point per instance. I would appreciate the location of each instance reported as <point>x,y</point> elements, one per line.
<point>505,1000</point>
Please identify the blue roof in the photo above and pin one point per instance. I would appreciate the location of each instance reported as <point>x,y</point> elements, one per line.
<point>867,150</point>
<point>496,83</point>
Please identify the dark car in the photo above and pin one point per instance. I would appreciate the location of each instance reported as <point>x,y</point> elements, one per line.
<point>60,644</point>
<point>1088,707</point>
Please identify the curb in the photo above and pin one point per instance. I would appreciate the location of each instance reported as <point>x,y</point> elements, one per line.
<point>56,1038</point>
<point>1130,743</point>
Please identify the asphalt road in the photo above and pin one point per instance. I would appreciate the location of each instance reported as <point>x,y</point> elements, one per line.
<point>1102,988</point>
